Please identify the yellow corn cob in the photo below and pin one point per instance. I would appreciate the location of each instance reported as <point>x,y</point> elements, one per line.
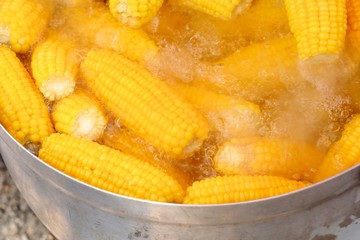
<point>134,13</point>
<point>224,9</point>
<point>258,69</point>
<point>80,115</point>
<point>229,189</point>
<point>127,142</point>
<point>54,65</point>
<point>344,153</point>
<point>23,110</point>
<point>265,156</point>
<point>353,22</point>
<point>143,103</point>
<point>109,169</point>
<point>22,22</point>
<point>319,26</point>
<point>98,27</point>
<point>231,116</point>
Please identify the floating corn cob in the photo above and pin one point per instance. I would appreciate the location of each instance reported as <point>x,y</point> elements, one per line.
<point>353,22</point>
<point>134,13</point>
<point>231,116</point>
<point>319,27</point>
<point>344,153</point>
<point>80,115</point>
<point>109,169</point>
<point>22,22</point>
<point>23,110</point>
<point>127,142</point>
<point>225,9</point>
<point>265,156</point>
<point>144,104</point>
<point>258,69</point>
<point>54,66</point>
<point>98,27</point>
<point>229,189</point>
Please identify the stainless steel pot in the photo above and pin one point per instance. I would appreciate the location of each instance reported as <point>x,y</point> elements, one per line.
<point>72,210</point>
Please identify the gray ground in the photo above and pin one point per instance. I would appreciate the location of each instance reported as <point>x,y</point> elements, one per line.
<point>17,221</point>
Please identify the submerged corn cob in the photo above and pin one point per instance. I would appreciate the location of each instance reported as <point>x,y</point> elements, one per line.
<point>23,110</point>
<point>258,69</point>
<point>229,189</point>
<point>344,153</point>
<point>54,65</point>
<point>22,22</point>
<point>225,9</point>
<point>231,116</point>
<point>353,22</point>
<point>143,103</point>
<point>265,156</point>
<point>319,27</point>
<point>134,13</point>
<point>127,142</point>
<point>80,115</point>
<point>99,28</point>
<point>109,169</point>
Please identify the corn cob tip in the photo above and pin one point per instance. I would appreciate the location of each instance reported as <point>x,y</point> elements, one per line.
<point>328,71</point>
<point>194,145</point>
<point>89,125</point>
<point>4,34</point>
<point>80,115</point>
<point>134,13</point>
<point>57,87</point>
<point>242,7</point>
<point>230,161</point>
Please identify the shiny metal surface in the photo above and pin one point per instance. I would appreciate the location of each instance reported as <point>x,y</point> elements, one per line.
<point>72,210</point>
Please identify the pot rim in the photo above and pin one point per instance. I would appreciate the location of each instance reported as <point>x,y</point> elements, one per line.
<point>117,204</point>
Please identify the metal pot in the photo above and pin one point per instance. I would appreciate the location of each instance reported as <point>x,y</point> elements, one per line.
<point>73,210</point>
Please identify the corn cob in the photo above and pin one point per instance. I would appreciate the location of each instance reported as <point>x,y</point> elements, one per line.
<point>23,110</point>
<point>127,142</point>
<point>224,9</point>
<point>265,156</point>
<point>344,153</point>
<point>258,69</point>
<point>54,65</point>
<point>109,169</point>
<point>98,27</point>
<point>143,103</point>
<point>319,27</point>
<point>231,116</point>
<point>353,22</point>
<point>80,115</point>
<point>134,13</point>
<point>22,22</point>
<point>229,189</point>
